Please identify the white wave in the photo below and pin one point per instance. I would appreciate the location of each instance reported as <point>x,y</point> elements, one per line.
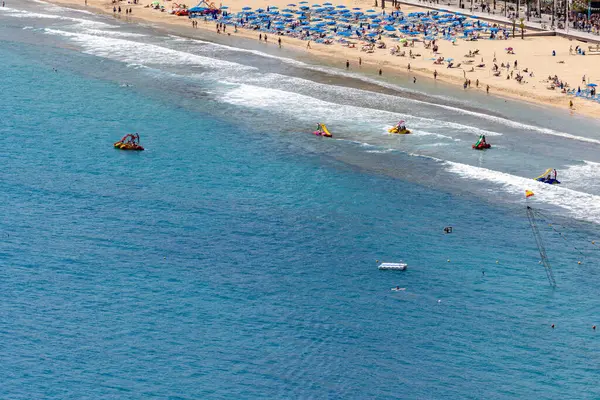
<point>57,7</point>
<point>299,85</point>
<point>585,175</point>
<point>210,46</point>
<point>112,33</point>
<point>291,102</point>
<point>132,52</point>
<point>437,135</point>
<point>384,151</point>
<point>15,13</point>
<point>581,205</point>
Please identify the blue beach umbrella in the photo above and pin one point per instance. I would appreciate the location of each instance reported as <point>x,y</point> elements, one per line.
<point>356,8</point>
<point>291,5</point>
<point>340,6</point>
<point>592,84</point>
<point>224,8</point>
<point>247,8</point>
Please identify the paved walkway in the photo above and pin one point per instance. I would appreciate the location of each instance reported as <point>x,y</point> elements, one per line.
<point>501,19</point>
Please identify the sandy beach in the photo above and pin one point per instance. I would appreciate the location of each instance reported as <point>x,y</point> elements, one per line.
<point>532,57</point>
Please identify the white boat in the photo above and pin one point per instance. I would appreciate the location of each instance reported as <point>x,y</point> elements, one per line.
<point>393,266</point>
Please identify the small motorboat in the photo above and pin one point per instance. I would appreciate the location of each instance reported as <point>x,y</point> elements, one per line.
<point>399,129</point>
<point>322,131</point>
<point>481,144</point>
<point>549,177</point>
<point>129,142</point>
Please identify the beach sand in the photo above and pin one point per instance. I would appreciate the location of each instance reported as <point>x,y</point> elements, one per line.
<point>533,53</point>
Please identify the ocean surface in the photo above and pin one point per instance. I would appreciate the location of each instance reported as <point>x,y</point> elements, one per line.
<point>236,256</point>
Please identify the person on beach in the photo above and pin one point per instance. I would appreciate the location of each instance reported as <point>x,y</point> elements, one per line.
<point>435,74</point>
<point>408,66</point>
<point>265,37</point>
<point>414,79</point>
<point>260,37</point>
<point>380,71</point>
<point>119,9</point>
<point>571,104</point>
<point>114,9</point>
<point>347,64</point>
<point>487,89</point>
<point>279,42</point>
<point>359,61</point>
<point>477,83</point>
<point>308,45</point>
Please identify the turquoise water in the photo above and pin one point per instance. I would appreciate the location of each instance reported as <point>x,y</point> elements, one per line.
<point>236,259</point>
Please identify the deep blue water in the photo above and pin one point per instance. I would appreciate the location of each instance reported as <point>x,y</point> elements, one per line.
<point>231,260</point>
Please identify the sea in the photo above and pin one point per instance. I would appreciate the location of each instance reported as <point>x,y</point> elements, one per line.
<point>237,256</point>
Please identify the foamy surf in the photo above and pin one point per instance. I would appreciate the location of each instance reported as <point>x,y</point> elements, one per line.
<point>133,52</point>
<point>578,204</point>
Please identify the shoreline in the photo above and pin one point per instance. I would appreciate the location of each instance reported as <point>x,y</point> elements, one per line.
<point>371,63</point>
